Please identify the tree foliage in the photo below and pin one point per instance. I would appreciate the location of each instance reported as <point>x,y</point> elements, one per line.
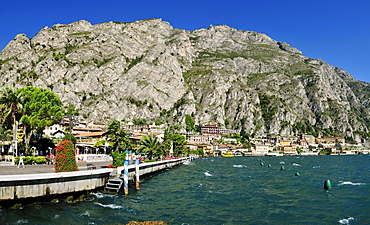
<point>11,102</point>
<point>34,108</point>
<point>137,121</point>
<point>118,158</point>
<point>71,112</point>
<point>118,136</point>
<point>5,134</point>
<point>150,144</point>
<point>44,144</point>
<point>70,137</point>
<point>178,143</point>
<point>103,143</point>
<point>43,108</point>
<point>268,108</point>
<point>190,123</point>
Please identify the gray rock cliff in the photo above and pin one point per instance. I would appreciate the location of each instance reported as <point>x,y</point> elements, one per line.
<point>147,69</point>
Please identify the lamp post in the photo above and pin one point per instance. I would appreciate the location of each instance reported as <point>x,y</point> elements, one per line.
<point>15,142</point>
<point>171,150</point>
<point>105,147</point>
<point>33,151</point>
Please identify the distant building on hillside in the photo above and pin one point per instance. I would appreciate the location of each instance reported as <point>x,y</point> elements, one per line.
<point>50,131</point>
<point>309,139</point>
<point>210,129</point>
<point>137,128</point>
<point>95,124</point>
<point>330,140</point>
<point>199,138</point>
<point>214,129</point>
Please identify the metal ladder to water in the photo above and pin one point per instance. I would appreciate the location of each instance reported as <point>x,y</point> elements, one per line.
<point>114,185</point>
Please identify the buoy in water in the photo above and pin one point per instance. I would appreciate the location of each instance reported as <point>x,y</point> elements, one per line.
<point>327,185</point>
<point>282,168</point>
<point>297,174</point>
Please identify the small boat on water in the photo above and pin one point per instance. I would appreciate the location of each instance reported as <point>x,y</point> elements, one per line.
<point>227,154</point>
<point>274,154</point>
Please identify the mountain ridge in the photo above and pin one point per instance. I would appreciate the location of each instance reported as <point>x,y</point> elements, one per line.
<point>244,80</point>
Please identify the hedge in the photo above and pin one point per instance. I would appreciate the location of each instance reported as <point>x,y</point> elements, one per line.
<point>31,160</point>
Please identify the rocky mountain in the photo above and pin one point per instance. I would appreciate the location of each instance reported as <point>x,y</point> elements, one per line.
<point>147,69</point>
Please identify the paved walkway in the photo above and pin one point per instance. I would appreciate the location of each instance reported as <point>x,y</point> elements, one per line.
<point>7,169</point>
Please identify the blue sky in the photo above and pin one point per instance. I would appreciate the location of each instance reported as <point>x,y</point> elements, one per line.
<point>337,31</point>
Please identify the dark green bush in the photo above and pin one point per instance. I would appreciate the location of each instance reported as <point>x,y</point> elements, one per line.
<point>118,158</point>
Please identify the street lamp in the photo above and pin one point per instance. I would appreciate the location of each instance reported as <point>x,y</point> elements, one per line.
<point>34,150</point>
<point>105,147</point>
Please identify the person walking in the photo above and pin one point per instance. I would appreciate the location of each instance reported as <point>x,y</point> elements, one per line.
<point>21,161</point>
<point>52,157</point>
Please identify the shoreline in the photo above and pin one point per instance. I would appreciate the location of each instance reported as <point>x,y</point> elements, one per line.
<point>38,183</point>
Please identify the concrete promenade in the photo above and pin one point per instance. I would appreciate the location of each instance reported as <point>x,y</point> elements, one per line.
<point>7,169</point>
<point>41,180</point>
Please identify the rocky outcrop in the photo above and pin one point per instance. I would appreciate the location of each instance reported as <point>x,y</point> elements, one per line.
<point>147,69</point>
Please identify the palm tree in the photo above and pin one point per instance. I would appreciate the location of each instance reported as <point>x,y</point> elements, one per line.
<point>12,103</point>
<point>178,142</point>
<point>118,136</point>
<point>150,144</point>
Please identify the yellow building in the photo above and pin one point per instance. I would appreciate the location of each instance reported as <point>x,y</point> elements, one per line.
<point>288,150</point>
<point>284,142</point>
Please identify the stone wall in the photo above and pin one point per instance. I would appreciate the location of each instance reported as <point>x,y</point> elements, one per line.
<point>14,187</point>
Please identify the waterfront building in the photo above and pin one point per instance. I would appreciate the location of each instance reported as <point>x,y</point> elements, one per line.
<point>331,149</point>
<point>284,142</point>
<point>348,152</point>
<point>288,150</point>
<point>258,149</point>
<point>199,138</point>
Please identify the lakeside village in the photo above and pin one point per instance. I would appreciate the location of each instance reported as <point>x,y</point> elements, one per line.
<point>213,141</point>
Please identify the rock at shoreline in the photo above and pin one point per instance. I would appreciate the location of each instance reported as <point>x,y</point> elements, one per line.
<point>147,223</point>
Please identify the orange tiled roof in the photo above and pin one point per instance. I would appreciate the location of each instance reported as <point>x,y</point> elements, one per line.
<point>91,134</point>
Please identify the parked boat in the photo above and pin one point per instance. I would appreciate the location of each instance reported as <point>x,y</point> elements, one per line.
<point>227,154</point>
<point>274,154</point>
<point>238,154</point>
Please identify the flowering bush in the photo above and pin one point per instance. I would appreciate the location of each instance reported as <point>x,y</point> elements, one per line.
<point>111,166</point>
<point>65,160</point>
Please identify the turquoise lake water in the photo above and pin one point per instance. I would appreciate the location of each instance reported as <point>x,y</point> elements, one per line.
<point>227,191</point>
